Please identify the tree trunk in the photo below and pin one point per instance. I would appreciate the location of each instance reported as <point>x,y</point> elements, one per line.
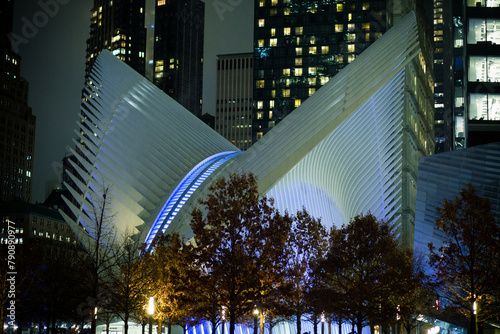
<point>125,326</point>
<point>232,322</point>
<point>299,323</point>
<point>143,327</point>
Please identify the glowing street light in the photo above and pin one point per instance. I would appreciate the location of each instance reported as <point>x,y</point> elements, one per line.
<point>151,306</point>
<point>255,315</point>
<point>151,311</point>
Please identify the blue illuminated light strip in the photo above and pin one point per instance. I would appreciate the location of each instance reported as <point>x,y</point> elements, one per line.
<point>185,189</point>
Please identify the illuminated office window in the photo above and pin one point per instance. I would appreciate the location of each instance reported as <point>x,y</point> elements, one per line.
<point>484,69</point>
<point>259,84</point>
<point>299,30</point>
<point>312,81</point>
<point>312,50</point>
<point>324,80</point>
<point>312,91</point>
<point>483,30</point>
<point>286,92</point>
<point>325,49</point>
<point>260,43</point>
<point>273,31</point>
<point>298,72</point>
<point>260,115</point>
<point>350,48</point>
<point>298,51</point>
<point>274,2</point>
<point>286,31</point>
<point>286,11</point>
<point>340,7</point>
<point>271,105</point>
<point>312,71</point>
<point>339,27</point>
<point>286,72</point>
<point>484,107</point>
<point>365,6</point>
<point>273,42</point>
<point>261,23</point>
<point>298,61</point>
<point>260,104</point>
<point>297,102</point>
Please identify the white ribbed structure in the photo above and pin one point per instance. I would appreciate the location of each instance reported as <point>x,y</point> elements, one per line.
<point>143,144</point>
<point>339,154</point>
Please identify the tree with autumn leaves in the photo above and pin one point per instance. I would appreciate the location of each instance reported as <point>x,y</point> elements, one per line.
<point>467,265</point>
<point>239,243</point>
<point>245,254</point>
<point>365,273</point>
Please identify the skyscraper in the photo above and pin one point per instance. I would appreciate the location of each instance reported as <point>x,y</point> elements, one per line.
<point>118,25</point>
<point>444,74</point>
<point>467,35</point>
<point>234,94</point>
<point>17,123</point>
<point>178,51</point>
<point>478,40</point>
<point>300,45</point>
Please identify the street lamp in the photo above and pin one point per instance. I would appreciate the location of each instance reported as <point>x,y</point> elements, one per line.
<point>151,311</point>
<point>323,323</point>
<point>255,314</point>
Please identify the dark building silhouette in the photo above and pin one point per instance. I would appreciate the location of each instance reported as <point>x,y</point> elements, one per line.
<point>178,51</point>
<point>118,26</point>
<point>6,22</point>
<point>17,124</point>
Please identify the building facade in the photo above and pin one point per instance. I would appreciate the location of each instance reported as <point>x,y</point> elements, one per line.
<point>178,51</point>
<point>118,26</point>
<point>300,45</point>
<point>477,165</point>
<point>31,221</point>
<point>471,30</point>
<point>443,73</point>
<point>234,98</point>
<point>17,123</point>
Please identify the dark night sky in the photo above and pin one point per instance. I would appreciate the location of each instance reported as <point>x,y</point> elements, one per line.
<point>53,61</point>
